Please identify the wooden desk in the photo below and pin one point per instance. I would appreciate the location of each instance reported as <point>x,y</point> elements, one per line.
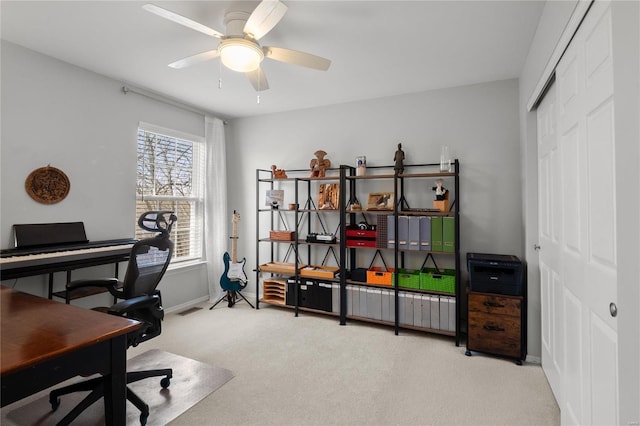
<point>46,342</point>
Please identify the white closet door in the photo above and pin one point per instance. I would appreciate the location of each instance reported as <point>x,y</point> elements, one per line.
<point>583,285</point>
<point>550,239</point>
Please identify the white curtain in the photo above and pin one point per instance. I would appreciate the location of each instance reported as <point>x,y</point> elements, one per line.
<point>216,235</point>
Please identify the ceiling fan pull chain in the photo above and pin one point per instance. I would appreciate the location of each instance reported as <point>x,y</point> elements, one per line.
<point>258,100</point>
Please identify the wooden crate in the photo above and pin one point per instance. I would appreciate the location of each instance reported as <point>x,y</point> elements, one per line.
<point>314,271</point>
<point>280,268</point>
<point>281,235</point>
<point>441,205</point>
<point>274,290</point>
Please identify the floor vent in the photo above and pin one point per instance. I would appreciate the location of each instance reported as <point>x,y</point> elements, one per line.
<point>189,311</point>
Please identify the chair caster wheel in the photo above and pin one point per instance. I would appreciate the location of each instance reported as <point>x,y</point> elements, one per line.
<point>55,403</point>
<point>468,353</point>
<point>165,382</point>
<point>143,419</point>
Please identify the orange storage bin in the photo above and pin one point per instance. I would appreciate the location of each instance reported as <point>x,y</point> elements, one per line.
<point>380,275</point>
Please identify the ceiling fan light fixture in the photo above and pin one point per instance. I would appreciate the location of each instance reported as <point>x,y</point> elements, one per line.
<point>240,54</point>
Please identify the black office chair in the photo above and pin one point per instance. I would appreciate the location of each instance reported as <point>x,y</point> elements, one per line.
<point>140,301</point>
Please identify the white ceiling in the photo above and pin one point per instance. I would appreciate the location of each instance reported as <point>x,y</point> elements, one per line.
<point>377,48</point>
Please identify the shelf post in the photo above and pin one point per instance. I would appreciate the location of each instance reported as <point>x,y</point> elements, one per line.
<point>257,239</point>
<point>342,205</point>
<point>459,292</point>
<point>296,276</point>
<point>395,253</point>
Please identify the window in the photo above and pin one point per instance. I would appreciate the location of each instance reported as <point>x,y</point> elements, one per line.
<point>170,176</point>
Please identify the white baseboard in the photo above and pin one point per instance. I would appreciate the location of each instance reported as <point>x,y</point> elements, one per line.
<point>186,305</point>
<point>250,296</point>
<point>534,359</point>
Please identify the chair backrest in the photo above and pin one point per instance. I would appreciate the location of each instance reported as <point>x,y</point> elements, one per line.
<point>149,257</point>
<point>149,261</point>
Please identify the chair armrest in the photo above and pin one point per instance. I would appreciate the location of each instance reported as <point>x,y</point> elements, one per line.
<point>135,303</point>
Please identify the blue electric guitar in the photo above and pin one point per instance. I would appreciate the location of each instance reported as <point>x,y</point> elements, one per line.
<point>233,278</point>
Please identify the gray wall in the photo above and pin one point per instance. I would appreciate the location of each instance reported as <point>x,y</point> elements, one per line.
<point>479,123</point>
<point>80,122</point>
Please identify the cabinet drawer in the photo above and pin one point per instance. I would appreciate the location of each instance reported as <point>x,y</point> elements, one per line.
<point>495,304</point>
<point>497,334</point>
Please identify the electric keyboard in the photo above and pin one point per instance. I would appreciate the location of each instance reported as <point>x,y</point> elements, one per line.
<point>16,263</point>
<point>46,248</point>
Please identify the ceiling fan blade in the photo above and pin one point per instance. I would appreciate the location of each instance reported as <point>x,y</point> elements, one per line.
<point>264,18</point>
<point>182,20</point>
<point>258,79</point>
<point>195,59</point>
<point>298,58</point>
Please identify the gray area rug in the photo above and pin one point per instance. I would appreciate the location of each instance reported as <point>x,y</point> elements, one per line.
<point>191,382</point>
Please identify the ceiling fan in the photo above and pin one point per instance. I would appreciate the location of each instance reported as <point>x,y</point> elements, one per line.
<point>239,49</point>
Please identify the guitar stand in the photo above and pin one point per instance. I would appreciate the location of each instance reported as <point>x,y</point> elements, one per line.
<point>231,297</point>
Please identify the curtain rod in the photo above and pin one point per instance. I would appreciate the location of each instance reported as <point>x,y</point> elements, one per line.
<point>166,100</point>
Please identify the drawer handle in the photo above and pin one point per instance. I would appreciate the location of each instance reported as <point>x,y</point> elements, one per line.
<point>493,305</point>
<point>493,328</point>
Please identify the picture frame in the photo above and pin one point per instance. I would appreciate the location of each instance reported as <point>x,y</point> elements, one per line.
<point>328,196</point>
<point>274,198</point>
<point>382,201</point>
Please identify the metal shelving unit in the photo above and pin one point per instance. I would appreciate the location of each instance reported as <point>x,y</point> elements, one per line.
<point>347,257</point>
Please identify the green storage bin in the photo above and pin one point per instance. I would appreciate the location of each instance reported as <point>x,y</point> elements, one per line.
<point>409,278</point>
<point>442,281</point>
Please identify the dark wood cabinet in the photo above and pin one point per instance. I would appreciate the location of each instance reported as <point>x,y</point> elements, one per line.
<point>497,325</point>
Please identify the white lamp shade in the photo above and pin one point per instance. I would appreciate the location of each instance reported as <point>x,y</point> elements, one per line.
<point>240,55</point>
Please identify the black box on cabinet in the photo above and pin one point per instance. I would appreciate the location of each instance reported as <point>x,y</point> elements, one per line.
<point>495,273</point>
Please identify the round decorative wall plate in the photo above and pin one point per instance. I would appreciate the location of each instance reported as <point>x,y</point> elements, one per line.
<point>47,185</point>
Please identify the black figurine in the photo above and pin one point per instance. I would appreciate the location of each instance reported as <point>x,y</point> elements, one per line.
<point>399,159</point>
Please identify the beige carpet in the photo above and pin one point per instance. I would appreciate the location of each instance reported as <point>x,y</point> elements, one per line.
<point>311,371</point>
<point>191,382</point>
